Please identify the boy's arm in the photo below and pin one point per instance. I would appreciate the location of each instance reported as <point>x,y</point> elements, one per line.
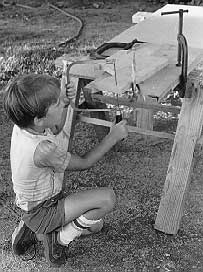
<point>117,133</point>
<point>67,97</point>
<point>48,154</point>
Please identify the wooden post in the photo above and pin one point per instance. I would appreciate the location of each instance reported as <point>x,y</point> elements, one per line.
<point>144,117</point>
<point>177,179</point>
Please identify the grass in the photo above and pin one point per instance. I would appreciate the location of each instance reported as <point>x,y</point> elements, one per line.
<point>136,170</point>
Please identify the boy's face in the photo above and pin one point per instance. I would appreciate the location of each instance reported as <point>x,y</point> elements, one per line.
<point>54,113</point>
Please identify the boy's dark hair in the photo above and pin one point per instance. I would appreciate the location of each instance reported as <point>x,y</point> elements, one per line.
<point>30,96</point>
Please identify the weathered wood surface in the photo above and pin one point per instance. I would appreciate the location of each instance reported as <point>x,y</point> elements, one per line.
<point>144,117</point>
<point>157,84</point>
<point>90,69</point>
<point>177,179</point>
<point>135,104</point>
<point>146,66</point>
<point>156,73</point>
<point>131,129</point>
<point>159,29</point>
<point>161,83</point>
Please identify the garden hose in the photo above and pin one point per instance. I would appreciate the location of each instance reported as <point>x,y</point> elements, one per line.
<point>76,18</point>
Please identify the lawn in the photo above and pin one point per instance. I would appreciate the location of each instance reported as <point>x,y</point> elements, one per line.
<point>136,169</point>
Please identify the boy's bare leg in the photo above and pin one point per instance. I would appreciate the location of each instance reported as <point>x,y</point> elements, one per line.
<point>84,212</point>
<point>94,204</point>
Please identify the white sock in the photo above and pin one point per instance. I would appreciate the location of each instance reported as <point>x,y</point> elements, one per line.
<point>74,229</point>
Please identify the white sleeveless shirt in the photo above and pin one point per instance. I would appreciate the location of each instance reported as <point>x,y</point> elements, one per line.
<point>33,184</point>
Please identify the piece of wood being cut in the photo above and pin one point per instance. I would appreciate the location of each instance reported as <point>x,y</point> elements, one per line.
<point>146,66</point>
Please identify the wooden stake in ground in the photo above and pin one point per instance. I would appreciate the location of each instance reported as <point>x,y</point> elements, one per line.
<point>177,179</point>
<point>144,117</point>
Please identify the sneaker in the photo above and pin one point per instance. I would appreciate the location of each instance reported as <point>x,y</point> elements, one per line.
<point>53,251</point>
<point>22,239</point>
<point>94,228</point>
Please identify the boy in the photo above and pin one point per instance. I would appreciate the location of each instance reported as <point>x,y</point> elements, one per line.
<point>39,158</point>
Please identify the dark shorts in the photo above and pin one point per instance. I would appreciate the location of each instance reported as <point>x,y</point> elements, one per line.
<point>47,216</point>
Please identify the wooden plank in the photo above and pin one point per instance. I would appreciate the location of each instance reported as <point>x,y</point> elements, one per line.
<point>165,28</point>
<point>161,82</point>
<point>159,29</point>
<point>177,179</point>
<point>126,36</point>
<point>144,117</point>
<point>146,66</point>
<point>158,85</point>
<point>90,69</point>
<point>135,104</point>
<point>167,79</point>
<point>131,129</point>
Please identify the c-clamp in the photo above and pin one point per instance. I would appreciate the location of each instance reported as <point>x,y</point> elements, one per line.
<point>182,56</point>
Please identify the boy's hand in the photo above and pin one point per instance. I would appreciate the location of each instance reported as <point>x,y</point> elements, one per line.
<point>119,131</point>
<point>68,94</point>
<point>70,90</point>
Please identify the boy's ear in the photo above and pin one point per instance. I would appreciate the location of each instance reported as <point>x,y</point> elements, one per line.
<point>39,121</point>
